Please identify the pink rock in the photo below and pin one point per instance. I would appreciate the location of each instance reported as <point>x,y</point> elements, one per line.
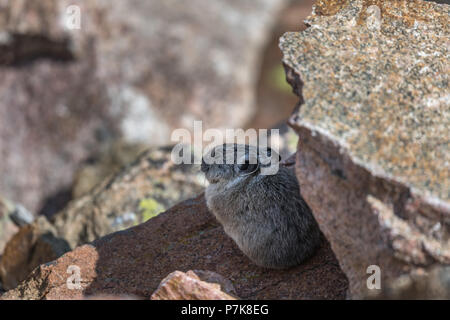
<point>188,286</point>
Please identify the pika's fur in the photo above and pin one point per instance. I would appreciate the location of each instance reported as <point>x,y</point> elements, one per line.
<point>264,214</point>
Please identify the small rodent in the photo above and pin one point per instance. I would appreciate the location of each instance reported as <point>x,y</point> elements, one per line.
<point>265,215</point>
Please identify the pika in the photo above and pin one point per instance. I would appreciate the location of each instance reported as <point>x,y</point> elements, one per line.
<point>264,214</point>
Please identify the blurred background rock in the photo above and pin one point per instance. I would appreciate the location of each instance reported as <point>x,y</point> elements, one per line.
<point>78,105</point>
<point>67,95</point>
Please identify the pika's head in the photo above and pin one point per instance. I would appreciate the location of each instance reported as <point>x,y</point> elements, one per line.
<point>229,162</point>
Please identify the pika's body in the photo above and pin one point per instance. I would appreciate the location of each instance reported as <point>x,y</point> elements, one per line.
<point>265,215</point>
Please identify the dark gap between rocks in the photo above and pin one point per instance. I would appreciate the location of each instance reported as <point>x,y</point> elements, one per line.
<point>23,49</point>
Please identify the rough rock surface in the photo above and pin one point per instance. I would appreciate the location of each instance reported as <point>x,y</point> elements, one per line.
<point>186,237</point>
<point>32,245</point>
<point>373,121</point>
<point>188,286</point>
<point>137,75</point>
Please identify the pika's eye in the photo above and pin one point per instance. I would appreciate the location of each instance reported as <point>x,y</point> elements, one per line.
<point>244,166</point>
<point>247,167</point>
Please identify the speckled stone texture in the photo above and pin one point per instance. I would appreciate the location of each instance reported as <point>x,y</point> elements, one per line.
<point>373,120</point>
<point>134,261</point>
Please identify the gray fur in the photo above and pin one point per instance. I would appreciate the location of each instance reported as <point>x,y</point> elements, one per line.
<point>264,214</point>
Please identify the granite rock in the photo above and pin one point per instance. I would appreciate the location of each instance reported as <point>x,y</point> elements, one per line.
<point>373,120</point>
